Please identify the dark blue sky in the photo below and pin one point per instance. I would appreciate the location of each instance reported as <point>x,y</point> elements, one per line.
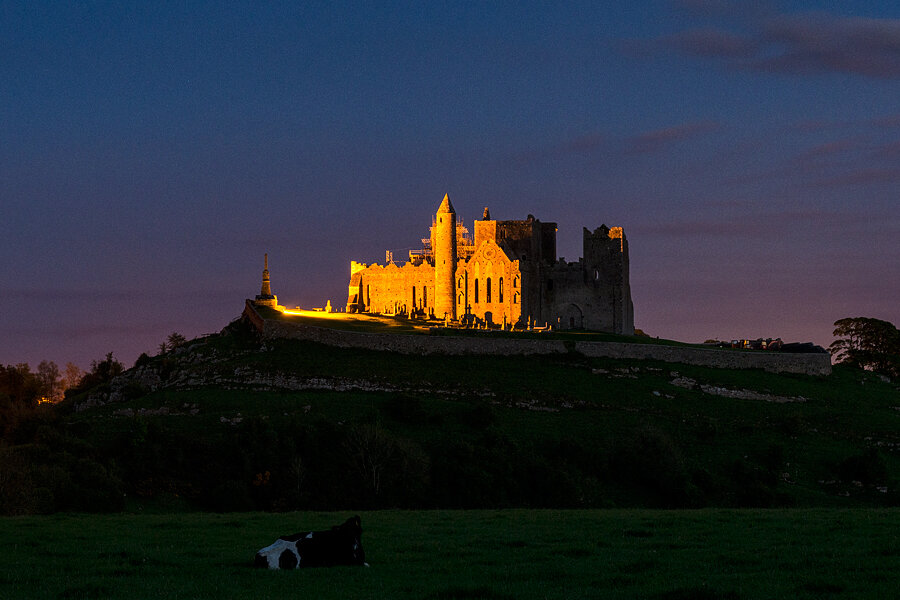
<point>151,153</point>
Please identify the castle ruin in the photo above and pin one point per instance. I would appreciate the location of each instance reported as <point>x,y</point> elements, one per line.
<point>506,273</point>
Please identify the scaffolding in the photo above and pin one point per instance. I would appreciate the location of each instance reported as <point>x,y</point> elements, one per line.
<point>465,246</point>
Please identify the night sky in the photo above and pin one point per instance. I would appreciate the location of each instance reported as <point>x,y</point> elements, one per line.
<point>151,153</point>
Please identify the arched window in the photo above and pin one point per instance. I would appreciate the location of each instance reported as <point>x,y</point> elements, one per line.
<point>476,291</point>
<point>414,296</point>
<point>515,283</point>
<point>516,298</point>
<point>487,291</point>
<point>368,297</point>
<point>500,290</point>
<point>424,297</point>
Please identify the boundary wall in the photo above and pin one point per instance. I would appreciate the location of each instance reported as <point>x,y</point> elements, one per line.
<point>807,364</point>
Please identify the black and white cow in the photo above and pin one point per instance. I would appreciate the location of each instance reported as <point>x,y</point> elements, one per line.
<point>340,545</point>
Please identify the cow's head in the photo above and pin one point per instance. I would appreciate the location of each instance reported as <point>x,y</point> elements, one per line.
<point>352,525</point>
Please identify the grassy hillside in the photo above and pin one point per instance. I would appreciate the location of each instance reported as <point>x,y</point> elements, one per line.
<point>398,324</point>
<point>492,555</point>
<point>233,423</point>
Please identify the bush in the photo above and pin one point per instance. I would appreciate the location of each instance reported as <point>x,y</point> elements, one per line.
<point>652,462</point>
<point>480,416</point>
<point>405,409</point>
<point>868,468</point>
<point>753,486</point>
<point>390,471</point>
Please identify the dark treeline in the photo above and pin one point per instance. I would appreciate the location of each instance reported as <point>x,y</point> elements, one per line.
<point>51,463</point>
<point>45,465</point>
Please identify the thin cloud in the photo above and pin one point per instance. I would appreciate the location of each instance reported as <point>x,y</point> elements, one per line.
<point>692,229</point>
<point>63,295</point>
<point>106,297</point>
<point>890,150</point>
<point>726,8</point>
<point>712,43</point>
<point>888,121</point>
<point>817,216</point>
<point>758,225</point>
<point>83,331</point>
<point>586,144</point>
<point>816,43</point>
<point>828,149</point>
<point>860,177</point>
<point>654,141</point>
<point>811,126</point>
<point>797,44</point>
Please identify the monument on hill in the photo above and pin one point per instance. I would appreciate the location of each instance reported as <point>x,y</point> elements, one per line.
<point>508,272</point>
<point>265,296</point>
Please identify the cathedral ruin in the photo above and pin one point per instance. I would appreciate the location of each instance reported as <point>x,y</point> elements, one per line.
<point>507,274</point>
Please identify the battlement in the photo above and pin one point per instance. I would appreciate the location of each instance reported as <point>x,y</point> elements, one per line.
<point>356,267</point>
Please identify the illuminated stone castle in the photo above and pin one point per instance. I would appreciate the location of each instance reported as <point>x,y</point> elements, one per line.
<point>506,274</point>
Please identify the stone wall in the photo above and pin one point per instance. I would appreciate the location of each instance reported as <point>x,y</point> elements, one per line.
<point>390,289</point>
<point>809,364</point>
<point>774,362</point>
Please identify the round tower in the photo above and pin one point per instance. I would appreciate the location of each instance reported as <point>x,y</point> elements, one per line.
<point>444,250</point>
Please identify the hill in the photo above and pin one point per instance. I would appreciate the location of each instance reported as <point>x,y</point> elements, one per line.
<point>233,422</point>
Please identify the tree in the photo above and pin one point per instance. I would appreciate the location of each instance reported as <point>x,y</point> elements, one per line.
<point>867,343</point>
<point>101,372</point>
<point>48,376</point>
<point>175,340</point>
<point>390,468</point>
<point>71,376</point>
<point>19,384</point>
<point>107,368</point>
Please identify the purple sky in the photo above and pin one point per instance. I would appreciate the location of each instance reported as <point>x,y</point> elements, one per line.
<point>151,153</point>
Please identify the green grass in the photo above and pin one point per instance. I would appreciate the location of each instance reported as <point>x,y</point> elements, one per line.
<point>362,323</point>
<point>497,555</point>
<point>374,323</point>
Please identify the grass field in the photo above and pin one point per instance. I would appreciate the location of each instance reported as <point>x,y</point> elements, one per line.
<point>441,555</point>
<point>398,324</point>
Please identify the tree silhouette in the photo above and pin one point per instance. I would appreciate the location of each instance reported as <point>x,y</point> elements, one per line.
<point>48,376</point>
<point>71,376</point>
<point>101,372</point>
<point>867,343</point>
<point>175,340</point>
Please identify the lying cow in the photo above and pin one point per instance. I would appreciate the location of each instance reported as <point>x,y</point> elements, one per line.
<point>340,545</point>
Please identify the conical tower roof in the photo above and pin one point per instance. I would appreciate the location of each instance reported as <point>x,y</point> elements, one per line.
<point>446,206</point>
